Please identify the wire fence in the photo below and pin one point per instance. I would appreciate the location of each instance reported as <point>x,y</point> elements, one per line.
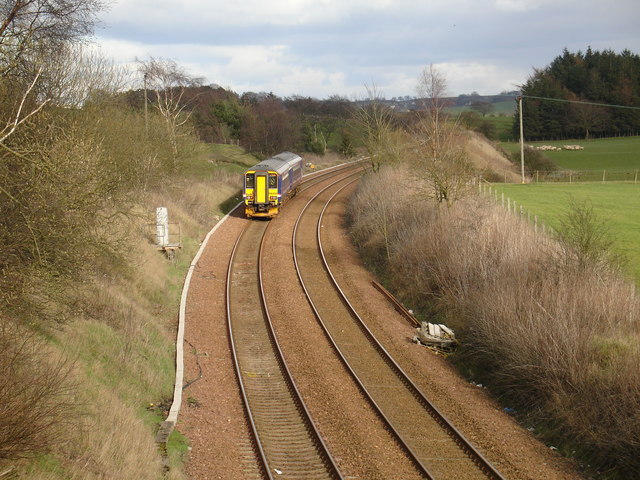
<point>486,190</point>
<point>572,176</point>
<point>578,176</point>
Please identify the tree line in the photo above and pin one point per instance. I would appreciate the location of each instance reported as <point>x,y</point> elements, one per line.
<point>262,122</point>
<point>577,81</point>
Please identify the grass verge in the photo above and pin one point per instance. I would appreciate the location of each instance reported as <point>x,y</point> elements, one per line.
<point>617,203</point>
<point>119,337</point>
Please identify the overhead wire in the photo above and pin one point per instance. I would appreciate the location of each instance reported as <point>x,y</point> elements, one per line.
<point>581,102</point>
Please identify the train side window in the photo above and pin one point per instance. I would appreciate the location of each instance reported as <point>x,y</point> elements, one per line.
<point>249,180</point>
<point>273,181</point>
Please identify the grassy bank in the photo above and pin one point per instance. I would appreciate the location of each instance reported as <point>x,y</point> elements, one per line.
<point>616,203</point>
<point>113,354</point>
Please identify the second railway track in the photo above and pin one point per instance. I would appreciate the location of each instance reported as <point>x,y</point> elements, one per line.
<point>286,439</point>
<point>437,448</point>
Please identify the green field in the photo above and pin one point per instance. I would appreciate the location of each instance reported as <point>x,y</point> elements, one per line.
<point>610,154</point>
<point>504,127</point>
<point>207,158</point>
<point>616,203</point>
<point>507,108</point>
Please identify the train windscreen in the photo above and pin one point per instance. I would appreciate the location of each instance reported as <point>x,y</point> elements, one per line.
<point>249,180</point>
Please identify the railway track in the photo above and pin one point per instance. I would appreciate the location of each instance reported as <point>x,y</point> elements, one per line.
<point>437,448</point>
<point>286,439</point>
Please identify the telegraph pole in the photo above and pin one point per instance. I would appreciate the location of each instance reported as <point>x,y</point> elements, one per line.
<point>521,138</point>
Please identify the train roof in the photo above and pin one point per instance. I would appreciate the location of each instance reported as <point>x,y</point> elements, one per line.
<point>279,163</point>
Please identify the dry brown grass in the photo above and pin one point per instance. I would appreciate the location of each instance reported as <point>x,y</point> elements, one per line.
<point>485,157</point>
<point>35,388</point>
<point>559,343</point>
<point>196,205</point>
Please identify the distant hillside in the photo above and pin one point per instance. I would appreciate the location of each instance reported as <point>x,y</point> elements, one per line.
<point>503,103</point>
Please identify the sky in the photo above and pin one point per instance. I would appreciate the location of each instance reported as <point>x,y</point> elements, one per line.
<point>320,48</point>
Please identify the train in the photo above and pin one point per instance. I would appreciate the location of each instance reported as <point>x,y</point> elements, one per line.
<point>270,183</point>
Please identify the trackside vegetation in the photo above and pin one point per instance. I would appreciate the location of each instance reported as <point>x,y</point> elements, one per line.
<point>548,321</point>
<point>548,324</point>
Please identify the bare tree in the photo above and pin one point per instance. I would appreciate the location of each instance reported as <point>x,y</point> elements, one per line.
<point>380,134</point>
<point>78,74</point>
<point>168,80</point>
<point>484,108</point>
<point>588,117</point>
<point>34,37</point>
<point>21,113</point>
<point>438,141</point>
<point>32,28</point>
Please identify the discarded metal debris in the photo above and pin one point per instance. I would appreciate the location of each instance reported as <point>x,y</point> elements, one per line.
<point>436,336</point>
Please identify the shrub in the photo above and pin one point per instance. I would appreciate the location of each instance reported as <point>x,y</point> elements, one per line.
<point>534,160</point>
<point>488,129</point>
<point>35,394</point>
<point>585,240</point>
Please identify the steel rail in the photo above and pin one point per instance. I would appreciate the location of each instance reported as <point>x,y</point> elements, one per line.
<point>312,428</point>
<point>402,443</point>
<point>264,464</point>
<point>331,469</point>
<point>458,437</point>
<point>327,172</point>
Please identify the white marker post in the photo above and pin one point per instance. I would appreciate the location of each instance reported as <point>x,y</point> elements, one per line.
<point>162,226</point>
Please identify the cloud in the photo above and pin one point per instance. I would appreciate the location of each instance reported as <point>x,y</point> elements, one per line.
<point>517,5</point>
<point>483,78</point>
<point>269,68</point>
<point>241,12</point>
<point>323,47</point>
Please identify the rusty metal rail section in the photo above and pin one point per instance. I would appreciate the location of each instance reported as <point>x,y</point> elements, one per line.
<point>397,305</point>
<point>286,440</point>
<point>437,448</point>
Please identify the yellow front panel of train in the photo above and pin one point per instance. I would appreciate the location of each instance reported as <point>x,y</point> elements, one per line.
<point>261,189</point>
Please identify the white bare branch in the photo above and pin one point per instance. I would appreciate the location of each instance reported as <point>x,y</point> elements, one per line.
<point>12,126</point>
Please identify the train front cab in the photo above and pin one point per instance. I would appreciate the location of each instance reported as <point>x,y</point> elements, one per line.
<point>262,196</point>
